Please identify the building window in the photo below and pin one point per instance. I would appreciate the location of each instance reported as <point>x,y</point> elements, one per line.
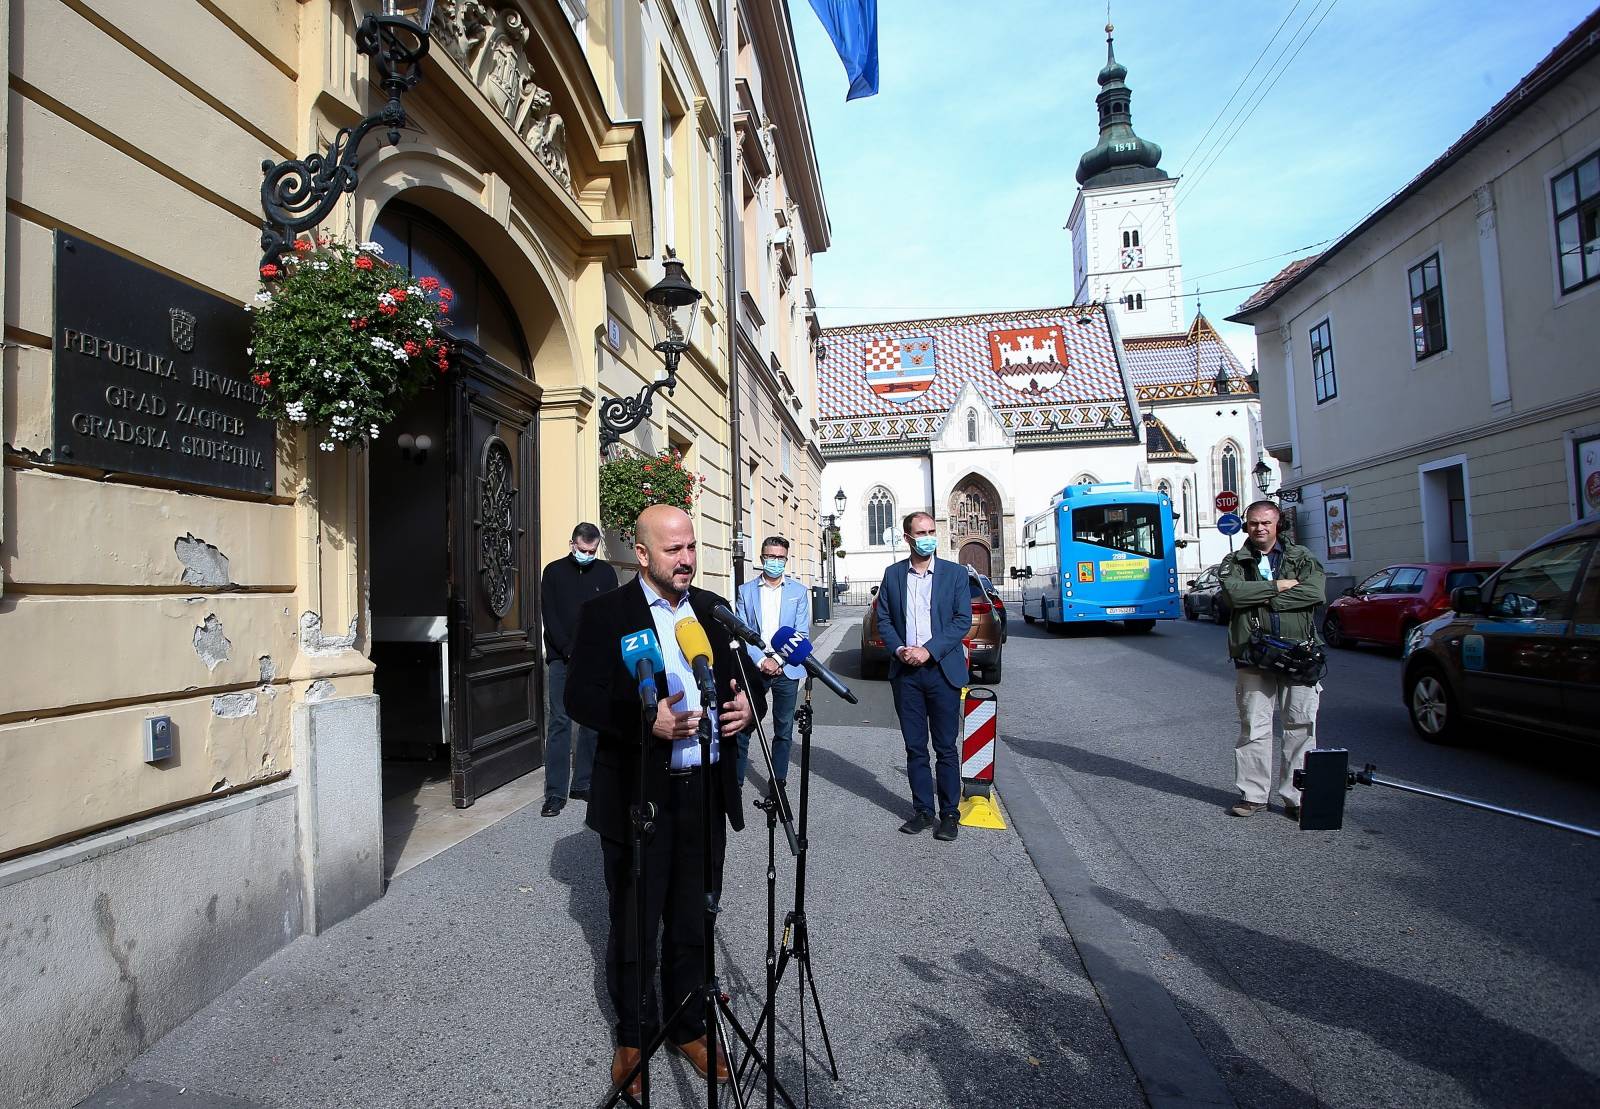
<point>1427,307</point>
<point>1322,362</point>
<point>1133,302</point>
<point>972,426</point>
<point>1230,468</point>
<point>788,470</point>
<point>669,196</point>
<point>1164,487</point>
<point>1577,206</point>
<point>1130,238</point>
<point>1189,521</point>
<point>880,518</point>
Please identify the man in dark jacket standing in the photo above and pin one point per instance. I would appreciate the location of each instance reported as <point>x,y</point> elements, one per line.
<point>1266,579</point>
<point>568,582</point>
<point>604,695</point>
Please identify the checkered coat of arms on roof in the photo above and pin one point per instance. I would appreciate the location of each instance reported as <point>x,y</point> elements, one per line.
<point>900,369</point>
<point>1029,359</point>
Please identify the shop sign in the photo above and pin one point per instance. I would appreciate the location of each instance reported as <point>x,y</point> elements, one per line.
<point>152,376</point>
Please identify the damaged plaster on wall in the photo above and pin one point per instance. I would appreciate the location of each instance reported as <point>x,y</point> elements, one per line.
<point>210,644</point>
<point>203,564</point>
<point>320,690</point>
<point>313,642</point>
<point>232,706</point>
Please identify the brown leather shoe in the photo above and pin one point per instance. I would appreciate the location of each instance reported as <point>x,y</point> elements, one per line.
<point>696,1051</point>
<point>623,1060</point>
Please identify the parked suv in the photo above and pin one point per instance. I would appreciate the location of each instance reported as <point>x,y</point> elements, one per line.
<point>1386,606</point>
<point>984,640</point>
<point>1522,649</point>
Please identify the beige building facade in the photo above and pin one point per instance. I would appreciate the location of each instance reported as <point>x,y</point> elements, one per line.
<point>288,637</point>
<point>1429,382</point>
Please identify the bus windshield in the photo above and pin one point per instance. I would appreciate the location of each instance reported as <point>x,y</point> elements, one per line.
<point>1133,528</point>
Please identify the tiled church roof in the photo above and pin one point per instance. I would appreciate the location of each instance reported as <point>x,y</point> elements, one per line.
<point>1160,445</point>
<point>1165,367</point>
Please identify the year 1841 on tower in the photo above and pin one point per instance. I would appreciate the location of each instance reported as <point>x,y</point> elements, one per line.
<point>152,376</point>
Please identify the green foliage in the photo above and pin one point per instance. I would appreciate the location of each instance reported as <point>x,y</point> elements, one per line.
<point>634,482</point>
<point>341,339</point>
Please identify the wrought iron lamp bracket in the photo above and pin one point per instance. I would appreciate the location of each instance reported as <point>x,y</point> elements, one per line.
<point>297,195</point>
<point>620,415</point>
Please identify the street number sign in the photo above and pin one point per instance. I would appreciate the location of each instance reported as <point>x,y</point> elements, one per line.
<point>1227,501</point>
<point>1228,523</point>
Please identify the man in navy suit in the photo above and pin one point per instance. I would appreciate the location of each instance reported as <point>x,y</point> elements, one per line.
<point>924,613</point>
<point>770,602</point>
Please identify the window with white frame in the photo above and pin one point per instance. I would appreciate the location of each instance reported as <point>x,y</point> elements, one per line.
<point>1133,302</point>
<point>1576,196</point>
<point>1230,468</point>
<point>1189,520</point>
<point>669,196</point>
<point>880,518</point>
<point>1427,307</point>
<point>1322,374</point>
<point>972,425</point>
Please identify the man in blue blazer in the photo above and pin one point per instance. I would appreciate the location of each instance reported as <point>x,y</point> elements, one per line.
<point>924,613</point>
<point>768,603</point>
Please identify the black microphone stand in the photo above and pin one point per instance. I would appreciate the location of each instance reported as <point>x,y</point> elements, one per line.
<point>776,807</point>
<point>796,932</point>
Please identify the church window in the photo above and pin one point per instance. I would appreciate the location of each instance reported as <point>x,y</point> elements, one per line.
<point>880,518</point>
<point>1322,374</point>
<point>1230,468</point>
<point>1133,302</point>
<point>1427,307</point>
<point>972,425</point>
<point>1188,506</point>
<point>1577,215</point>
<point>1086,479</point>
<point>1130,238</point>
<point>1164,487</point>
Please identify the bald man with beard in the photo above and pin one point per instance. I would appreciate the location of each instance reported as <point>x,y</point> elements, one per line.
<point>603,694</point>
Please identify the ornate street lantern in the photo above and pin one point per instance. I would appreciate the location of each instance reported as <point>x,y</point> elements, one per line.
<point>1263,474</point>
<point>672,302</point>
<point>838,502</point>
<point>297,195</point>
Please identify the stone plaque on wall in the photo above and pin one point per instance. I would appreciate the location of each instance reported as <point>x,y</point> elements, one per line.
<point>152,376</point>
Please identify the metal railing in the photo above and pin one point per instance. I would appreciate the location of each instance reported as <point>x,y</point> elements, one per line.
<point>860,593</point>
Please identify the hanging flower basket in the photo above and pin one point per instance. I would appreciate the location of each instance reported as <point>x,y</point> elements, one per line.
<point>342,339</point>
<point>634,482</point>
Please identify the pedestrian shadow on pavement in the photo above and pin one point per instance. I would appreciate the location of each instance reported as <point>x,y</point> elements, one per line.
<point>1431,1028</point>
<point>1104,766</point>
<point>1018,1041</point>
<point>575,863</point>
<point>858,780</point>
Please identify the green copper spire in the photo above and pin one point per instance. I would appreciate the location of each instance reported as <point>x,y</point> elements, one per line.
<point>1121,157</point>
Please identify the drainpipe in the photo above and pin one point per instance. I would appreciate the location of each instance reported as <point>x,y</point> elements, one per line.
<point>730,276</point>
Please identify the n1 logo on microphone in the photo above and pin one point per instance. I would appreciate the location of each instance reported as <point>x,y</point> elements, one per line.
<point>791,646</point>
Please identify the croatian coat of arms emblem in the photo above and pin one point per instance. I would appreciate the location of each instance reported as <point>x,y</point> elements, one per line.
<point>899,370</point>
<point>1029,359</point>
<point>182,328</point>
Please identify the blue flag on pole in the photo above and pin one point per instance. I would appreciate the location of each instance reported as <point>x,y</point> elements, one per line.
<point>853,27</point>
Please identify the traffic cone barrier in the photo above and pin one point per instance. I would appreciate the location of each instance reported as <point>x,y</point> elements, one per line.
<point>980,725</point>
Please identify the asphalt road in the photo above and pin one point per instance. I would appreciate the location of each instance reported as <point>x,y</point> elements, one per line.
<point>1425,955</point>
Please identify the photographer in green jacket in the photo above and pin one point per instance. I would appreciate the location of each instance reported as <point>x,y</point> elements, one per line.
<point>1265,577</point>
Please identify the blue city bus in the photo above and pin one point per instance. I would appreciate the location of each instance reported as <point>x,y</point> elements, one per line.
<point>1101,552</point>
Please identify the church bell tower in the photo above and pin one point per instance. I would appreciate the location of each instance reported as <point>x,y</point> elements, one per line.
<point>1123,225</point>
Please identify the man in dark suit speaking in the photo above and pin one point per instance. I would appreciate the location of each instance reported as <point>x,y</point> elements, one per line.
<point>603,694</point>
<point>924,612</point>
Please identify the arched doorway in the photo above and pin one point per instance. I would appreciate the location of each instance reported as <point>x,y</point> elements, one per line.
<point>454,535</point>
<point>975,525</point>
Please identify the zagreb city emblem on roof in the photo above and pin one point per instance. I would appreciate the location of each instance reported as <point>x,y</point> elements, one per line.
<point>900,369</point>
<point>1029,359</point>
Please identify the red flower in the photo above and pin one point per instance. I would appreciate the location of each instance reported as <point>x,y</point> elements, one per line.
<point>322,240</point>
<point>647,467</point>
<point>270,270</point>
<point>428,283</point>
<point>412,348</point>
<point>446,295</point>
<point>431,343</point>
<point>398,293</point>
<point>388,309</point>
<point>262,379</point>
<point>301,246</point>
<point>363,262</point>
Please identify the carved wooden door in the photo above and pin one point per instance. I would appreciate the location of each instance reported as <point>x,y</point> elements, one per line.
<point>497,682</point>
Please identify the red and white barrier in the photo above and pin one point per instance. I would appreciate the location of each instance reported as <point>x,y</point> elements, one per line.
<point>980,723</point>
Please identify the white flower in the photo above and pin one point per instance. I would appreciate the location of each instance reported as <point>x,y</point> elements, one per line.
<point>412,290</point>
<point>371,248</point>
<point>327,446</point>
<point>427,325</point>
<point>249,350</point>
<point>263,298</point>
<point>327,374</point>
<point>313,363</point>
<point>383,298</point>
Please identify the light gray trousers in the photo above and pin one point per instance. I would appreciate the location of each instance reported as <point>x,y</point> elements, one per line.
<point>1258,695</point>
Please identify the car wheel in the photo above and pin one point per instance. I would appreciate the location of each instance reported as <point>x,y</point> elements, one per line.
<point>991,674</point>
<point>1333,631</point>
<point>1140,627</point>
<point>1219,615</point>
<point>1188,611</point>
<point>1406,628</point>
<point>1434,711</point>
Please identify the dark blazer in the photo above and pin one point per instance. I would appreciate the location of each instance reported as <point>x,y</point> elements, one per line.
<point>602,694</point>
<point>951,612</point>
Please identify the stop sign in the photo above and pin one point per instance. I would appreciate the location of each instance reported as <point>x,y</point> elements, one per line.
<point>1227,501</point>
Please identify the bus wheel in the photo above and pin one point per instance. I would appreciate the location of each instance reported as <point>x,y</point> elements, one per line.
<point>1026,619</point>
<point>1140,627</point>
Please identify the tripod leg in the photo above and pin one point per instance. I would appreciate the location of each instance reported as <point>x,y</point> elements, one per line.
<point>784,956</point>
<point>749,1041</point>
<point>816,1000</point>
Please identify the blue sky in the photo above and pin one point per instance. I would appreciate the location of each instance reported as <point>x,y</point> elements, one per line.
<point>949,190</point>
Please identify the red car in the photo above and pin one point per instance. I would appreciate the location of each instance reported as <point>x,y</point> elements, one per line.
<point>1384,608</point>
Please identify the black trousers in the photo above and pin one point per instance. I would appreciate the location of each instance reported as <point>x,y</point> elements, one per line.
<point>674,915</point>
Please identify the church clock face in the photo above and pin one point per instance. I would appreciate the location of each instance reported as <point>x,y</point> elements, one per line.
<point>1132,257</point>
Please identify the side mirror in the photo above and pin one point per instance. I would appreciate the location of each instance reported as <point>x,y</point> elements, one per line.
<point>1466,599</point>
<point>1350,592</point>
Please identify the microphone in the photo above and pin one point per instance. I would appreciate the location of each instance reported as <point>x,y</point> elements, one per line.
<point>696,648</point>
<point>795,649</point>
<point>735,626</point>
<point>641,653</point>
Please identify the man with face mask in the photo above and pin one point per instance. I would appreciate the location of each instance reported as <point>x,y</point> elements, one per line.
<point>770,602</point>
<point>567,583</point>
<point>924,612</point>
